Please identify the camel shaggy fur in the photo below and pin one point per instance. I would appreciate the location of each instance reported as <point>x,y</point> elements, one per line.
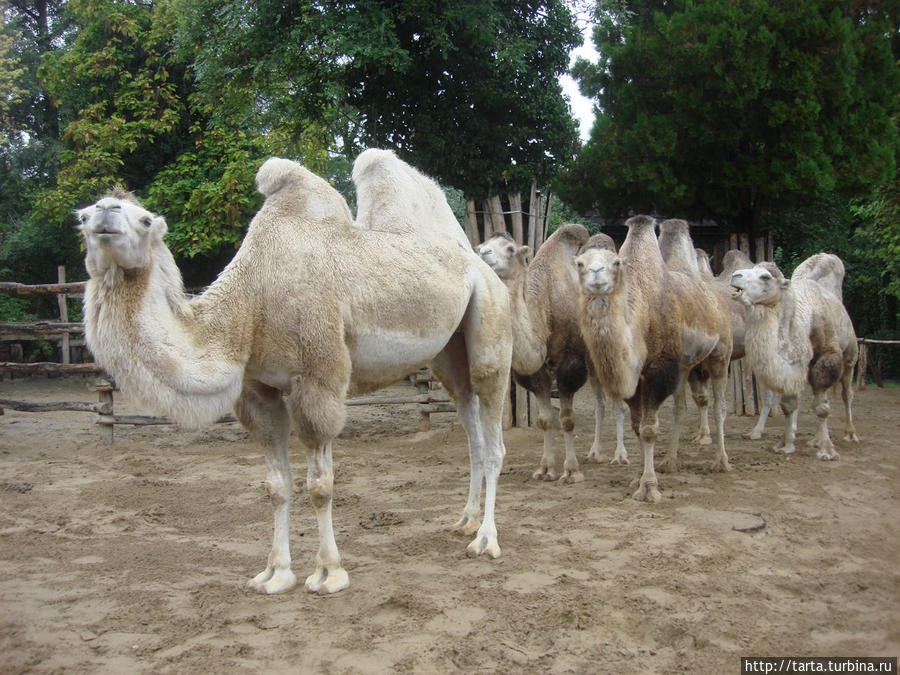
<point>825,268</point>
<point>313,307</point>
<point>547,341</point>
<point>798,332</point>
<point>645,328</point>
<point>680,255</point>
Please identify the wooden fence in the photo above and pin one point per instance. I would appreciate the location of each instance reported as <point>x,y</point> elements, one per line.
<point>428,400</point>
<point>746,395</point>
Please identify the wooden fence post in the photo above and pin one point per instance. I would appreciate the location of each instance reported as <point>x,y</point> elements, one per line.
<point>63,314</point>
<point>105,390</point>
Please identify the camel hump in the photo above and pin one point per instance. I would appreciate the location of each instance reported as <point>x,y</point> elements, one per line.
<point>601,241</point>
<point>571,233</point>
<point>641,223</point>
<point>276,173</point>
<point>674,226</point>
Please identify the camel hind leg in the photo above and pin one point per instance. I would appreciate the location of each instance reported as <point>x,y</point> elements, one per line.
<point>620,456</point>
<point>264,414</point>
<point>451,367</point>
<point>540,384</point>
<point>847,396</point>
<point>488,354</point>
<point>481,417</point>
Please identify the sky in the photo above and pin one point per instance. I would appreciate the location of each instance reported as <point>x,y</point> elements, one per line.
<point>581,106</point>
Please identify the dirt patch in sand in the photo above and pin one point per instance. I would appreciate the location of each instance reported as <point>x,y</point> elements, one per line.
<point>133,557</point>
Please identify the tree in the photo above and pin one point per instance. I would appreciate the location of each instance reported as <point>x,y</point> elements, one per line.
<point>734,110</point>
<point>465,90</point>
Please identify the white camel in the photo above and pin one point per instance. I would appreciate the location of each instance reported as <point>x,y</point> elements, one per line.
<point>798,332</point>
<point>825,268</point>
<point>645,328</point>
<point>547,341</point>
<point>313,307</point>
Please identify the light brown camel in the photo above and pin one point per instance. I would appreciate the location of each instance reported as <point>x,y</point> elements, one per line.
<point>645,328</point>
<point>798,332</point>
<point>313,307</point>
<point>547,341</point>
<point>680,255</point>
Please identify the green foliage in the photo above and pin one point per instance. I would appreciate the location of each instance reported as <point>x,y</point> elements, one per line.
<point>15,310</point>
<point>561,213</point>
<point>831,225</point>
<point>732,110</point>
<point>878,238</point>
<point>126,106</point>
<point>207,193</point>
<point>489,114</point>
<point>467,90</point>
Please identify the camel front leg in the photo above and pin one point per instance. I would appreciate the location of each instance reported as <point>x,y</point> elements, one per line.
<point>264,414</point>
<point>648,488</point>
<point>769,399</point>
<point>571,470</point>
<point>329,576</point>
<point>700,394</point>
<point>547,468</point>
<point>822,439</point>
<point>789,405</point>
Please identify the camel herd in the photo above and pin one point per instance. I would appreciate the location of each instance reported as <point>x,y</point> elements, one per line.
<point>317,306</point>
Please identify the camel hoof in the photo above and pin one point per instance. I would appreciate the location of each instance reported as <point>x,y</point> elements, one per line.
<point>325,582</point>
<point>572,476</point>
<point>271,581</point>
<point>620,458</point>
<point>753,435</point>
<point>851,437</point>
<point>466,525</point>
<point>722,467</point>
<point>544,473</point>
<point>593,456</point>
<point>828,454</point>
<point>784,450</point>
<point>484,544</point>
<point>647,493</point>
<point>703,440</point>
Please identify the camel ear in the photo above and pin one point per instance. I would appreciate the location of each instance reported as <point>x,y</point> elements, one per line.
<point>523,253</point>
<point>158,227</point>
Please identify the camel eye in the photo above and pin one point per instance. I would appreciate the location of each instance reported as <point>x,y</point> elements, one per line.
<point>579,264</point>
<point>766,277</point>
<point>146,221</point>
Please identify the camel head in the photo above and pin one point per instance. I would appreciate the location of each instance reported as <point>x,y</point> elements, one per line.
<point>503,255</point>
<point>118,233</point>
<point>599,270</point>
<point>762,284</point>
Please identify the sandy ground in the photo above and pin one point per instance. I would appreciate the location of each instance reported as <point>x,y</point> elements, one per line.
<point>133,557</point>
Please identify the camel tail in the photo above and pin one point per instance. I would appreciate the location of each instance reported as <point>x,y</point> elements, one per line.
<point>276,173</point>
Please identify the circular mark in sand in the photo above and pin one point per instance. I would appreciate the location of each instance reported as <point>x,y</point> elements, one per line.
<point>738,521</point>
